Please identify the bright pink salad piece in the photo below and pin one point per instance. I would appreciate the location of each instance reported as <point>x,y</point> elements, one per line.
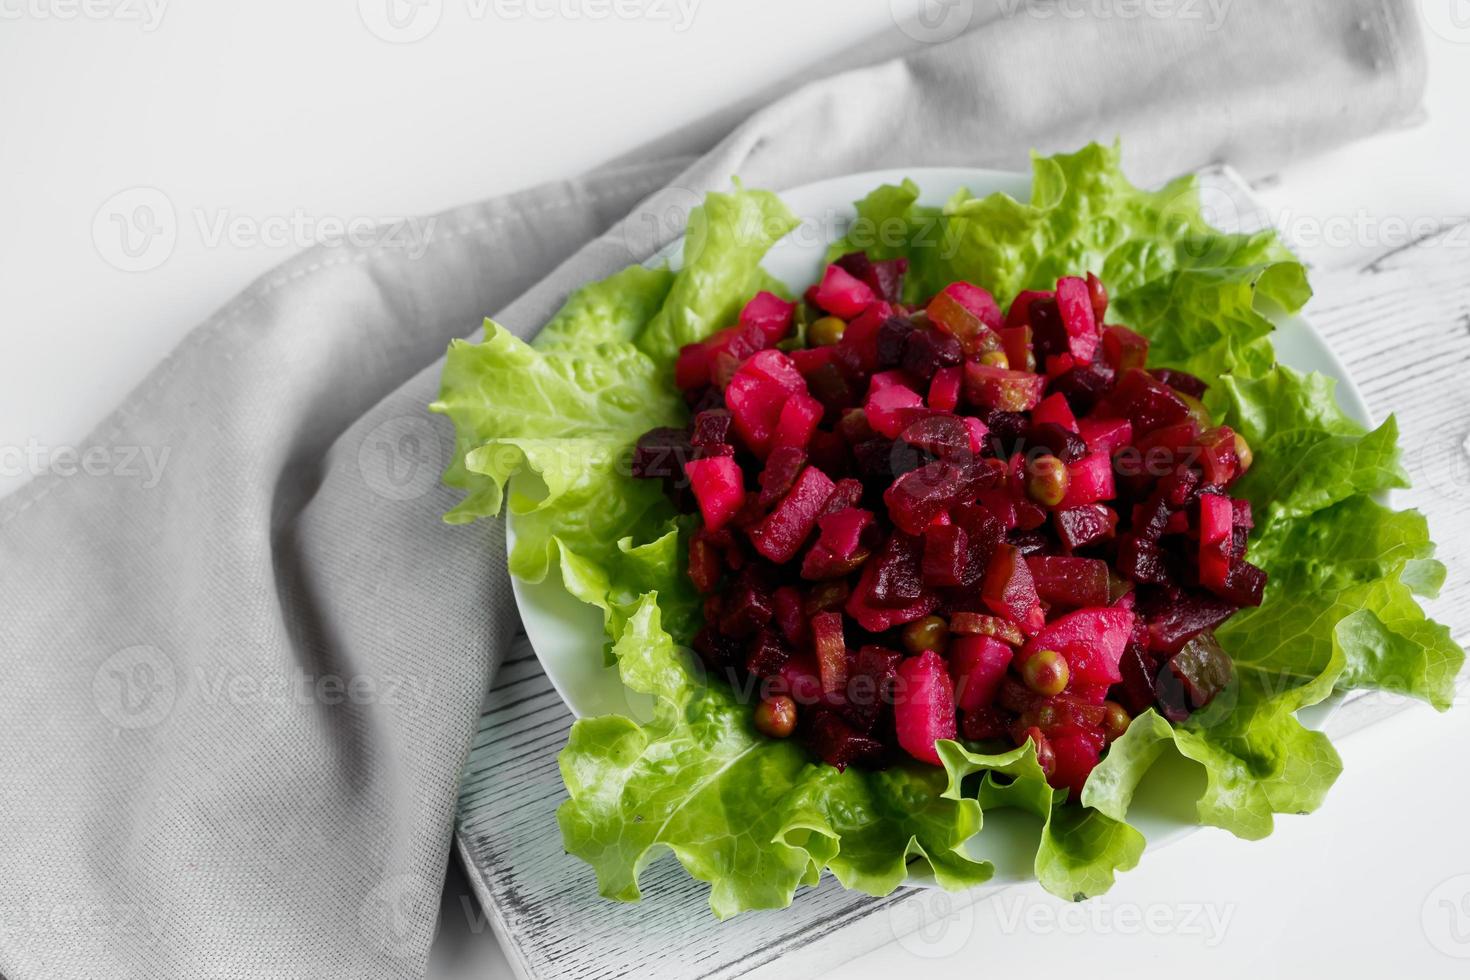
<point>719,487</point>
<point>923,706</point>
<point>841,294</point>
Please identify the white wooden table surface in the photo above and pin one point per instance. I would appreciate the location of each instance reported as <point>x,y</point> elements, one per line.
<point>272,111</point>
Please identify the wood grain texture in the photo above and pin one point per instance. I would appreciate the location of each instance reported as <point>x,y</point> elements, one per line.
<point>1401,325</point>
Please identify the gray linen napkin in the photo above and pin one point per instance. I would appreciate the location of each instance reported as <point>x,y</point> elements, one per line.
<point>238,692</point>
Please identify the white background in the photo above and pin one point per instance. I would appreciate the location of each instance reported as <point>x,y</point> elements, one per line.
<point>276,117</point>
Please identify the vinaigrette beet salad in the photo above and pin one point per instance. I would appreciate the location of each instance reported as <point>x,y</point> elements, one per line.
<point>1009,502</point>
<point>950,521</point>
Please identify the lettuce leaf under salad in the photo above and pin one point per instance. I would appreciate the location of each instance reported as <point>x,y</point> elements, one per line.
<point>756,817</point>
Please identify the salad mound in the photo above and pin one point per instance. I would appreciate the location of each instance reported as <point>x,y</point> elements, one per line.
<point>908,532</point>
<point>757,816</point>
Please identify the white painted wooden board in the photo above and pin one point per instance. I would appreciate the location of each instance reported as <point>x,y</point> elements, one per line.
<point>1401,324</point>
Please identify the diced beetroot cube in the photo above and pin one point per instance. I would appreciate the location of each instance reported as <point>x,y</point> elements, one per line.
<point>944,390</point>
<point>755,406</point>
<point>1076,756</point>
<point>898,578</point>
<point>839,745</point>
<point>809,360</point>
<point>927,352</point>
<point>1089,693</point>
<point>893,336</point>
<point>1016,342</point>
<point>778,369</point>
<point>923,708</point>
<point>860,339</point>
<point>820,563</point>
<point>1084,386</point>
<point>1099,294</point>
<point>748,605</point>
<point>946,550</point>
<point>977,664</point>
<point>1074,301</point>
<point>706,564</point>
<point>799,678</point>
<point>1160,446</point>
<point>1002,390</point>
<point>1019,314</point>
<point>1055,410</point>
<point>1216,521</point>
<point>1181,381</point>
<point>1217,456</point>
<point>870,677</point>
<point>766,654</point>
<point>944,436</point>
<point>1071,582</point>
<point>841,294</point>
<point>842,531</point>
<point>1145,401</point>
<point>917,497</point>
<point>1141,560</point>
<point>847,493</point>
<point>1244,585</point>
<point>711,428</point>
<point>718,486</point>
<point>1091,480</point>
<point>790,617</point>
<point>727,349</point>
<point>782,468</point>
<point>1124,349</point>
<point>1060,364</point>
<point>970,315</point>
<point>691,367</point>
<point>876,618</point>
<point>798,420</point>
<point>978,431</point>
<point>1001,504</point>
<point>1065,444</point>
<point>1079,527</point>
<point>1010,592</point>
<point>1105,435</point>
<point>770,314</point>
<point>884,277</point>
<point>1091,640</point>
<point>830,648</point>
<point>889,379</point>
<point>884,408</point>
<point>783,531</point>
<point>1174,622</point>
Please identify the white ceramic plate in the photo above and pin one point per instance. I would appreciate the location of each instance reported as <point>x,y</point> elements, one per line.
<point>567,635</point>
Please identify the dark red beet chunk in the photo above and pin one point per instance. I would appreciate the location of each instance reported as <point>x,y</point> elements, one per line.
<point>1173,622</point>
<point>884,278</point>
<point>925,352</point>
<point>1193,677</point>
<point>898,578</point>
<point>946,552</point>
<point>1057,441</point>
<point>711,428</point>
<point>840,745</point>
<point>749,605</point>
<point>1079,527</point>
<point>783,466</point>
<point>781,534</point>
<point>768,653</point>
<point>660,454</point>
<point>945,436</point>
<point>1181,381</point>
